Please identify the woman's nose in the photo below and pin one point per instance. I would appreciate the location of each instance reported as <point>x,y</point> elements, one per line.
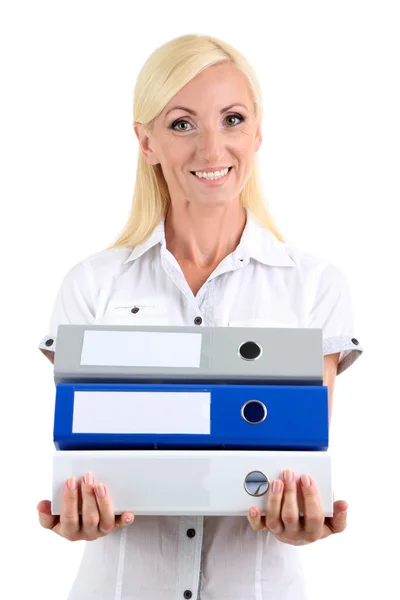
<point>210,145</point>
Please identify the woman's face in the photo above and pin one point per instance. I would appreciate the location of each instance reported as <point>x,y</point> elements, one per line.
<point>208,126</point>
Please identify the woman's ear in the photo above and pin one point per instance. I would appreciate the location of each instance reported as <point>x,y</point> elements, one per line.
<point>142,135</point>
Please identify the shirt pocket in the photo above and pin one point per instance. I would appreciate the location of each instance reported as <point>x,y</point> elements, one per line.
<point>142,312</point>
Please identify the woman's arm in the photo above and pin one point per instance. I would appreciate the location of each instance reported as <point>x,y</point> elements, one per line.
<point>49,354</point>
<point>330,367</point>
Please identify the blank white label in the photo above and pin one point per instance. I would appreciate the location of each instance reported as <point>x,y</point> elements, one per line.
<point>141,412</point>
<point>141,349</point>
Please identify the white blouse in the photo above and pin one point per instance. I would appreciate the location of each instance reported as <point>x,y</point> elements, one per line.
<point>264,282</point>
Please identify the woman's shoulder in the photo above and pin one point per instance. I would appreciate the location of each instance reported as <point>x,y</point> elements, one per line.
<point>99,265</point>
<point>313,265</point>
<point>110,259</point>
<point>83,283</point>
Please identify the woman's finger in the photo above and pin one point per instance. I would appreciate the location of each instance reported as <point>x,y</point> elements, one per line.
<point>290,507</point>
<point>273,519</point>
<point>125,519</point>
<point>90,511</point>
<point>313,512</point>
<point>46,519</point>
<point>69,518</point>
<point>106,514</point>
<point>338,522</point>
<point>255,519</point>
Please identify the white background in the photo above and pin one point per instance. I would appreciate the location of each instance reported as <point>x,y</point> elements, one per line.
<point>330,160</point>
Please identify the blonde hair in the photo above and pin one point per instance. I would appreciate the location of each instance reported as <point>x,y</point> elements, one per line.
<point>166,71</point>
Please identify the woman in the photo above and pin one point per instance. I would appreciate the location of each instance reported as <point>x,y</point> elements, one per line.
<point>200,248</point>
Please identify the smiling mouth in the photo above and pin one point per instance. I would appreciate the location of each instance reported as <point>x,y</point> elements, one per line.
<point>194,172</point>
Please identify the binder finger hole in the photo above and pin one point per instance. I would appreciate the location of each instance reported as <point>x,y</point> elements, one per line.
<point>256,483</point>
<point>254,412</point>
<point>250,351</point>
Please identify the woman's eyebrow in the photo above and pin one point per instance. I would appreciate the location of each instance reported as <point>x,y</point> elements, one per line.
<point>192,112</point>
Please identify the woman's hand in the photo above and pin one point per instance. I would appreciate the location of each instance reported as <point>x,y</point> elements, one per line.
<point>97,518</point>
<point>282,512</point>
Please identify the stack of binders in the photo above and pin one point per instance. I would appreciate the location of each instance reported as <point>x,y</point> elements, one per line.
<point>189,420</point>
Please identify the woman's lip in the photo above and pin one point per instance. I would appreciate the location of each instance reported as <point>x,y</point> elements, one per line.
<point>212,170</point>
<point>208,182</point>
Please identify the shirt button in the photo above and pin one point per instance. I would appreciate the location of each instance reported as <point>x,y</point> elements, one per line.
<point>355,342</point>
<point>198,321</point>
<point>135,310</point>
<point>187,594</point>
<point>49,342</point>
<point>191,533</point>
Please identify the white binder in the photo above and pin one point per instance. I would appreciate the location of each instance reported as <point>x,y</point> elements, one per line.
<point>197,482</point>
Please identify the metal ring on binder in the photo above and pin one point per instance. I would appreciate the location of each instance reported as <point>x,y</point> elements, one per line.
<point>250,351</point>
<point>250,418</point>
<point>256,483</point>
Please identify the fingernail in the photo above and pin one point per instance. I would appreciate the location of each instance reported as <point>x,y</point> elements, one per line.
<point>288,476</point>
<point>305,481</point>
<point>100,490</point>
<point>129,519</point>
<point>253,512</point>
<point>88,479</point>
<point>276,486</point>
<point>71,483</point>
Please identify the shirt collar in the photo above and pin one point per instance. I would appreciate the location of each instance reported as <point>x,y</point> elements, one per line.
<point>256,242</point>
<point>156,237</point>
<point>259,243</point>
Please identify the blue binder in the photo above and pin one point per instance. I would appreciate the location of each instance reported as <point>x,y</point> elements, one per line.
<point>135,416</point>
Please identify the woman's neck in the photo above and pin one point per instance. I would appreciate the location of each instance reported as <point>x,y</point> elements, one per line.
<point>203,238</point>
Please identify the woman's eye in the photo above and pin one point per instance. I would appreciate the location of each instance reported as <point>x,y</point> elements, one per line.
<point>177,125</point>
<point>239,117</point>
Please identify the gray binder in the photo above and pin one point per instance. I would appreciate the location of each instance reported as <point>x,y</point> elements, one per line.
<point>90,353</point>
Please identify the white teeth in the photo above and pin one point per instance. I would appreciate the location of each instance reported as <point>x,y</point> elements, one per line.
<point>214,175</point>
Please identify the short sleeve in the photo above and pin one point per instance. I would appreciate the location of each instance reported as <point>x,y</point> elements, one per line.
<point>74,304</point>
<point>332,311</point>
